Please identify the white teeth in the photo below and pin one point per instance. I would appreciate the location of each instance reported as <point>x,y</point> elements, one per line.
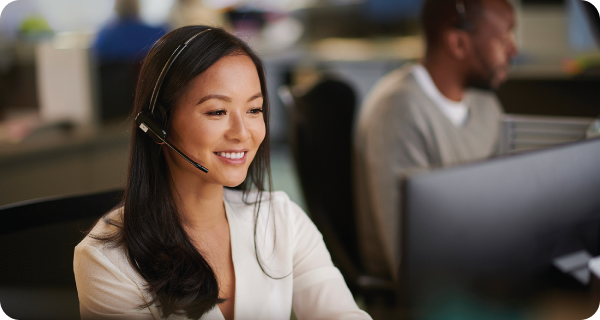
<point>234,155</point>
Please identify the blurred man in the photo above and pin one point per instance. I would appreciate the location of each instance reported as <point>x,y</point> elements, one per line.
<point>433,114</point>
<point>120,46</point>
<point>126,38</point>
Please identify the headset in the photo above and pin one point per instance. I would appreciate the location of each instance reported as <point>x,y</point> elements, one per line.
<point>463,22</point>
<point>145,119</point>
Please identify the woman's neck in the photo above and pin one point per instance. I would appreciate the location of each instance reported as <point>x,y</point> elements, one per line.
<point>201,203</point>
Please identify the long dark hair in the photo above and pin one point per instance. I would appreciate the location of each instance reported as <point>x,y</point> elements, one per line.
<point>151,231</point>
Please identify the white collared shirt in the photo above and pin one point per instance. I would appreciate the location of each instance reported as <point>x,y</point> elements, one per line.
<point>457,112</point>
<point>109,288</point>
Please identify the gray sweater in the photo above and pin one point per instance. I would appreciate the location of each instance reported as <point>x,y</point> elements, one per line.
<point>400,132</point>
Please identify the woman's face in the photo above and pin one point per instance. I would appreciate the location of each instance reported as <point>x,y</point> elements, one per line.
<point>219,122</point>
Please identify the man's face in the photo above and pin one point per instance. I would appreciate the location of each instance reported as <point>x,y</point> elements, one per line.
<point>493,46</point>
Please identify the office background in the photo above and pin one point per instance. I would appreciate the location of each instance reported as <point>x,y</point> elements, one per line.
<point>64,112</point>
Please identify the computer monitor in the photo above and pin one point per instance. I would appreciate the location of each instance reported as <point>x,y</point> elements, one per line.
<point>500,223</point>
<point>593,17</point>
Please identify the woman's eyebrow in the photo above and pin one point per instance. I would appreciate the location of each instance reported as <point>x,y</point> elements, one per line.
<point>226,98</point>
<point>215,96</point>
<point>256,96</point>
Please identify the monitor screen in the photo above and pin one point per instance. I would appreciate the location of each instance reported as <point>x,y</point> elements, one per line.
<point>593,16</point>
<point>502,221</point>
<point>581,22</point>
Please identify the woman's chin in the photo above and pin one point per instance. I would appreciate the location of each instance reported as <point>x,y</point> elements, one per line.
<point>234,182</point>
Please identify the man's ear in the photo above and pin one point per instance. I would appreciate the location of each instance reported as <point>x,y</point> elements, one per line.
<point>458,43</point>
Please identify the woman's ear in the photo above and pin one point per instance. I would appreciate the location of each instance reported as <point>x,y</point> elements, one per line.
<point>458,43</point>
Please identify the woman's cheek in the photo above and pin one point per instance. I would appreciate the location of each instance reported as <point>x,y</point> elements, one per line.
<point>260,130</point>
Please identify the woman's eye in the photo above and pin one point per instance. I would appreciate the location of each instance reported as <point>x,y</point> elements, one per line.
<point>216,113</point>
<point>256,110</point>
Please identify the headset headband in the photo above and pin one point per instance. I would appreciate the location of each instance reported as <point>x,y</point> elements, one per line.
<point>463,22</point>
<point>166,68</point>
<point>147,122</point>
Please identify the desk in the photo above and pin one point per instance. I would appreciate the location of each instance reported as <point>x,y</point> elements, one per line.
<point>561,301</point>
<point>57,161</point>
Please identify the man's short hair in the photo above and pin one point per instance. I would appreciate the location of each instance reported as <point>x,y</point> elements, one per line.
<point>127,8</point>
<point>438,16</point>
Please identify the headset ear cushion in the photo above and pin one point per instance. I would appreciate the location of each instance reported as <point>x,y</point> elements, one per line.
<point>145,121</point>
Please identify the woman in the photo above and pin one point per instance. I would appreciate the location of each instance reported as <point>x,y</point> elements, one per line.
<point>182,246</point>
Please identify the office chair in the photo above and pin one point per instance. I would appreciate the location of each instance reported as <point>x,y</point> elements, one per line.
<point>321,140</point>
<point>116,86</point>
<point>37,241</point>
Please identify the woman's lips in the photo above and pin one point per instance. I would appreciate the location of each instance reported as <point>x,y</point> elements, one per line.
<point>234,157</point>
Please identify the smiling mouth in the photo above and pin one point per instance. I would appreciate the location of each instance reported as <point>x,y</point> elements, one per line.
<point>232,155</point>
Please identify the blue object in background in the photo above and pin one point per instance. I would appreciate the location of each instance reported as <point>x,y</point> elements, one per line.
<point>581,37</point>
<point>126,39</point>
<point>393,10</point>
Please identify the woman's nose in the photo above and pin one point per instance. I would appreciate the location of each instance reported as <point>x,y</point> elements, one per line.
<point>237,128</point>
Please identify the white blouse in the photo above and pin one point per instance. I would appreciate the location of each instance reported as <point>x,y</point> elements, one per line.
<point>288,243</point>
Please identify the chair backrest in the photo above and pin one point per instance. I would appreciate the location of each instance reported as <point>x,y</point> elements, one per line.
<point>116,86</point>
<point>37,239</point>
<point>321,139</point>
